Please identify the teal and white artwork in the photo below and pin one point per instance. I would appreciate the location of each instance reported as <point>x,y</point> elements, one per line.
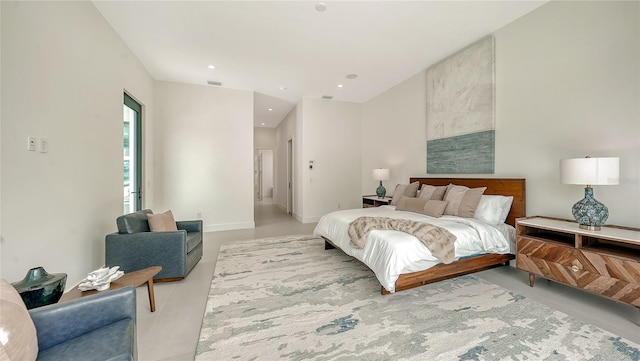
<point>460,112</point>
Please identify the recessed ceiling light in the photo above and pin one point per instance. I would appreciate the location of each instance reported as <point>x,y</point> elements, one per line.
<point>340,85</point>
<point>283,88</point>
<point>261,123</point>
<point>320,7</point>
<point>352,76</point>
<point>270,109</point>
<point>211,67</point>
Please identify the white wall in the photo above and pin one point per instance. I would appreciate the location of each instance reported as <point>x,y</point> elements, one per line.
<point>1,242</point>
<point>204,154</point>
<point>567,85</point>
<point>285,131</point>
<point>331,139</point>
<point>264,138</point>
<point>64,71</point>
<point>394,134</point>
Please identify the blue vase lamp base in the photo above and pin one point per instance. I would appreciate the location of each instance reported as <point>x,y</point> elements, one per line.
<point>589,213</point>
<point>39,288</point>
<point>380,191</point>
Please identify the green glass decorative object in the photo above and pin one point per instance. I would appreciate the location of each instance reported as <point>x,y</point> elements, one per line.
<point>590,213</point>
<point>380,191</point>
<point>39,288</point>
<point>380,174</point>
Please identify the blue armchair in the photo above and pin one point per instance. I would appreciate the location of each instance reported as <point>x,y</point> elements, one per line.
<point>97,327</point>
<point>135,247</point>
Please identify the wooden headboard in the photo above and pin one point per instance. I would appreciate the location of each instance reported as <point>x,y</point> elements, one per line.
<point>495,186</point>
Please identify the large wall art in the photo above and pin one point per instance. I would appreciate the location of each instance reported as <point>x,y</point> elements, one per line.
<point>460,111</point>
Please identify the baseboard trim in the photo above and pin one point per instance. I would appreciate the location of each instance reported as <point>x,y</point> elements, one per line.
<point>228,226</point>
<point>307,219</point>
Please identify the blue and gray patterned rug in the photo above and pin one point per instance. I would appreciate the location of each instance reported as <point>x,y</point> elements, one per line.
<point>289,299</point>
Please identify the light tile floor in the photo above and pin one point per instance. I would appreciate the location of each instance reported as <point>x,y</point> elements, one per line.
<point>171,333</point>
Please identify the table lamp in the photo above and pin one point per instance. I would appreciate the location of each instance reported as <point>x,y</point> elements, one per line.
<point>589,213</point>
<point>380,174</point>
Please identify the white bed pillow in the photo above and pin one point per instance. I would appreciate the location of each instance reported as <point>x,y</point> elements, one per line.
<point>493,209</point>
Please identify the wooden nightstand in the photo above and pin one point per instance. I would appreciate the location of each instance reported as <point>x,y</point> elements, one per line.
<point>605,262</point>
<point>374,201</point>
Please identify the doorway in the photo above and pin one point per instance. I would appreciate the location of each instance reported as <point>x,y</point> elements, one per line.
<point>263,171</point>
<point>132,155</point>
<point>290,176</point>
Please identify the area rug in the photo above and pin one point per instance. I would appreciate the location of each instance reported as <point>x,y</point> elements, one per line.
<point>289,299</point>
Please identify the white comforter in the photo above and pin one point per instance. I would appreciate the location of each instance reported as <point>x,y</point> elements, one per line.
<point>392,253</point>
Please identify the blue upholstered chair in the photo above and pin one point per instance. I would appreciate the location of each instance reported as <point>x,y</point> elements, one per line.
<point>96,327</point>
<point>135,247</point>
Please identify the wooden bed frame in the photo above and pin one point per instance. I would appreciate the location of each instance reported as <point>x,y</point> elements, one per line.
<point>495,186</point>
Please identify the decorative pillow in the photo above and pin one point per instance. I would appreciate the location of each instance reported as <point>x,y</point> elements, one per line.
<point>434,208</point>
<point>463,201</point>
<point>432,192</point>
<point>410,204</point>
<point>493,209</point>
<point>429,207</point>
<point>162,222</point>
<point>409,190</point>
<point>18,337</point>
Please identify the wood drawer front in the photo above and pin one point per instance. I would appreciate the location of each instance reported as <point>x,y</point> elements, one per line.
<point>612,266</point>
<point>614,277</point>
<point>609,276</point>
<point>548,260</point>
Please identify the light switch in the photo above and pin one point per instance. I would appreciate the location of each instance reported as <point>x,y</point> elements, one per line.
<point>43,145</point>
<point>31,144</point>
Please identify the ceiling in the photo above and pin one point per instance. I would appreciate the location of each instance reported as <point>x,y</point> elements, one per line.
<point>286,50</point>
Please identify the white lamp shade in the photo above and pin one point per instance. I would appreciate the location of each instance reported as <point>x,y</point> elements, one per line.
<point>380,174</point>
<point>590,171</point>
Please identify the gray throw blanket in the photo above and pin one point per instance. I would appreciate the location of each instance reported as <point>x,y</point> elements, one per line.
<point>437,239</point>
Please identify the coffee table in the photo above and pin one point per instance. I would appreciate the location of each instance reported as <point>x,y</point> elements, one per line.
<point>135,279</point>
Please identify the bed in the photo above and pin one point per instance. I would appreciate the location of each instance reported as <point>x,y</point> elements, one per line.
<point>405,263</point>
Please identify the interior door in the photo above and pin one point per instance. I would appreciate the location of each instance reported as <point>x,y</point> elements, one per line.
<point>257,172</point>
<point>290,176</point>
<point>132,155</point>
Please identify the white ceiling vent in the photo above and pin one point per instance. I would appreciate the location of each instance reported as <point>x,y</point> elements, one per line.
<point>212,82</point>
<point>328,97</point>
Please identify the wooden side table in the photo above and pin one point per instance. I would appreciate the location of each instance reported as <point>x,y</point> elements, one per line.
<point>374,201</point>
<point>605,262</point>
<point>135,279</point>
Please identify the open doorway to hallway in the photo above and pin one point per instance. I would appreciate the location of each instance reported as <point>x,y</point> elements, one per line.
<point>263,176</point>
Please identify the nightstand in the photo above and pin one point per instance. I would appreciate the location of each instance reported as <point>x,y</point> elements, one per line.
<point>605,262</point>
<point>374,201</point>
